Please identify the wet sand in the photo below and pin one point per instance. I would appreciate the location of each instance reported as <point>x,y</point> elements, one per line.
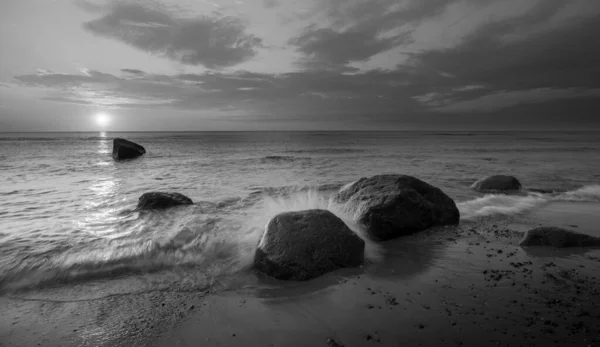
<point>472,286</point>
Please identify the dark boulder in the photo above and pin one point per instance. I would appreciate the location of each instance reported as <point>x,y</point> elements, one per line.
<point>558,237</point>
<point>390,206</point>
<point>498,183</point>
<point>160,200</point>
<point>125,149</point>
<point>307,244</point>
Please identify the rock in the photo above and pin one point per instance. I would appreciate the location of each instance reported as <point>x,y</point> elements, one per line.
<point>557,237</point>
<point>160,200</point>
<point>125,149</point>
<point>307,244</point>
<point>390,206</point>
<point>497,183</point>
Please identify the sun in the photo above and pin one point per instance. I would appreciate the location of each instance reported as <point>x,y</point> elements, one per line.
<point>102,119</point>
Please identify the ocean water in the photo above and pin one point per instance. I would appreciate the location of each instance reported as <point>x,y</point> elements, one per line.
<point>66,208</point>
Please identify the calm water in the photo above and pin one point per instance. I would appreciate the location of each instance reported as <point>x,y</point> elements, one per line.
<point>66,207</point>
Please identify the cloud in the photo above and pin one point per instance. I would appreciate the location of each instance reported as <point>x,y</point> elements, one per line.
<point>214,42</point>
<point>356,31</point>
<point>97,88</point>
<point>561,57</point>
<point>271,3</point>
<point>260,93</point>
<point>468,88</point>
<point>501,66</point>
<point>326,49</point>
<point>505,99</point>
<point>133,71</point>
<point>528,59</point>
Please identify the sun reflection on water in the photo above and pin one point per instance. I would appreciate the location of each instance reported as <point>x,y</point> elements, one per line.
<point>103,144</point>
<point>102,212</point>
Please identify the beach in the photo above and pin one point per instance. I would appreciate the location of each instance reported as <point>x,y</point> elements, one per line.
<point>470,285</point>
<point>81,267</point>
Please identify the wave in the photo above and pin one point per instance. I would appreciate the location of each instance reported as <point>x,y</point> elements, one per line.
<point>587,193</point>
<point>270,159</point>
<point>454,134</point>
<point>287,191</point>
<point>494,204</point>
<point>208,248</point>
<point>192,244</point>
<point>328,150</point>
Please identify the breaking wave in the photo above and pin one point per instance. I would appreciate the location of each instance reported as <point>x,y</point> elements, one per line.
<point>493,204</point>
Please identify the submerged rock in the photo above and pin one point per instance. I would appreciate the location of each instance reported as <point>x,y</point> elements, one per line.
<point>307,244</point>
<point>558,237</point>
<point>125,149</point>
<point>390,206</point>
<point>160,200</point>
<point>497,182</point>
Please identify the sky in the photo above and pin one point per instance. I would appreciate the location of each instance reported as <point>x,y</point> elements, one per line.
<point>202,65</point>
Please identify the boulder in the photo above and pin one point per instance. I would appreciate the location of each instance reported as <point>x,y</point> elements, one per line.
<point>390,206</point>
<point>307,244</point>
<point>558,237</point>
<point>160,200</point>
<point>125,149</point>
<point>498,183</point>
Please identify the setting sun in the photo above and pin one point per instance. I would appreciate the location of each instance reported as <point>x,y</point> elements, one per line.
<point>102,119</point>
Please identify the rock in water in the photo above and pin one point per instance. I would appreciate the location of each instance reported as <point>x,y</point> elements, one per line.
<point>125,149</point>
<point>498,183</point>
<point>390,206</point>
<point>557,237</point>
<point>307,244</point>
<point>160,200</point>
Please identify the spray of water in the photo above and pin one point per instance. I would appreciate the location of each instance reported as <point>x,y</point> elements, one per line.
<point>307,200</point>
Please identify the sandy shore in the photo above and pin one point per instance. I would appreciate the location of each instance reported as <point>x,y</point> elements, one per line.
<point>470,286</point>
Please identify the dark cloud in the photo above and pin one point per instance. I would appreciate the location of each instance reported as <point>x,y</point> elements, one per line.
<point>516,61</point>
<point>213,42</point>
<point>327,49</point>
<point>360,30</point>
<point>133,71</point>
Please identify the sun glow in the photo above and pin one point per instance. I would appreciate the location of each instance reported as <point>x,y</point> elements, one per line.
<point>102,119</point>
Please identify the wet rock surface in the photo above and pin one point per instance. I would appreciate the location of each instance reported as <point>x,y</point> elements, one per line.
<point>307,244</point>
<point>498,183</point>
<point>558,237</point>
<point>162,200</point>
<point>125,149</point>
<point>390,206</point>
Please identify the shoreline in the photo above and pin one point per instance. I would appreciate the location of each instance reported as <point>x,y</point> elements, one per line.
<point>471,285</point>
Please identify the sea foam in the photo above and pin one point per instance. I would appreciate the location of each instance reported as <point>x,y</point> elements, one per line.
<point>502,204</point>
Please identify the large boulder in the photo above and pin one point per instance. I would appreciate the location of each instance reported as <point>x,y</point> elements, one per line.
<point>558,237</point>
<point>390,206</point>
<point>498,183</point>
<point>161,200</point>
<point>307,244</point>
<point>125,149</point>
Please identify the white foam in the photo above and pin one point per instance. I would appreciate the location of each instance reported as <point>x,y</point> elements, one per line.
<point>501,204</point>
<point>493,204</point>
<point>587,193</point>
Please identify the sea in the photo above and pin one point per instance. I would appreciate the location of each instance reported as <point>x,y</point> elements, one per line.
<point>67,209</point>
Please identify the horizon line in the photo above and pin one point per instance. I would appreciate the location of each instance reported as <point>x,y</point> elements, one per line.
<point>323,131</point>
